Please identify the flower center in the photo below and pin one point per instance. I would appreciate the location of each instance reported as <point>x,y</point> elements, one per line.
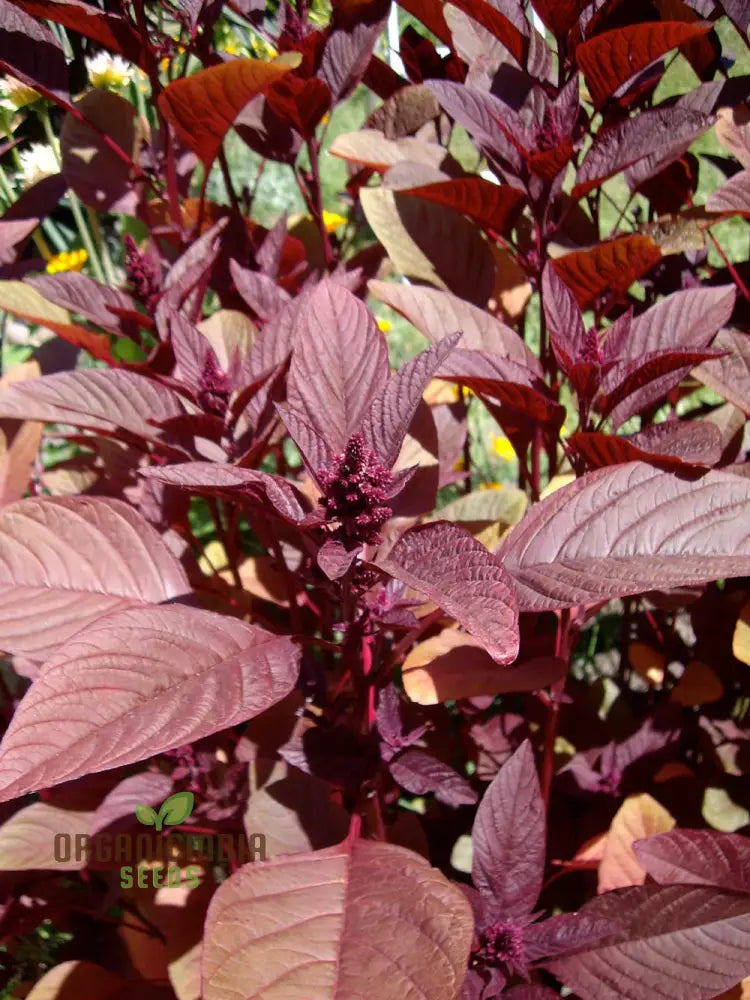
<point>355,490</point>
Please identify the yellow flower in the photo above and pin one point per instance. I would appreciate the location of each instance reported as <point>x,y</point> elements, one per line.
<point>503,448</point>
<point>564,431</point>
<point>384,326</point>
<point>332,221</point>
<point>326,118</point>
<point>16,94</point>
<point>490,486</point>
<point>459,465</point>
<point>68,260</point>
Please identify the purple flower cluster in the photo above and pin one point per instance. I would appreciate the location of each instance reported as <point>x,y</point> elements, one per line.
<point>355,490</point>
<point>143,276</point>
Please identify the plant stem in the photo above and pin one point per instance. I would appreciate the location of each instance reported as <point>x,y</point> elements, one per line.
<point>562,649</point>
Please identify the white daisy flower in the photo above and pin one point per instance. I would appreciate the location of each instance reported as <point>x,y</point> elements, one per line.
<point>108,71</point>
<point>37,162</point>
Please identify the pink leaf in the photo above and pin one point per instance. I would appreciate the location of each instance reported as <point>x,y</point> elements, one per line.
<point>98,400</point>
<point>215,479</point>
<point>394,407</point>
<point>456,572</point>
<point>509,838</point>
<point>626,529</point>
<point>68,560</point>
<point>149,788</point>
<point>687,320</point>
<point>438,314</point>
<point>137,683</point>
<point>27,839</point>
<point>339,364</point>
<point>685,941</point>
<point>362,919</point>
<point>697,857</point>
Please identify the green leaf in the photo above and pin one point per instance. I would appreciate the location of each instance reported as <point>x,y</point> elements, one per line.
<point>175,809</point>
<point>146,815</point>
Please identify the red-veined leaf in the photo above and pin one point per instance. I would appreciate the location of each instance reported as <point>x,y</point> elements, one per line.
<point>81,294</point>
<point>96,173</point>
<point>30,51</point>
<point>232,482</point>
<point>729,375</point>
<point>393,409</point>
<point>429,242</point>
<point>443,562</point>
<point>110,30</point>
<point>149,788</point>
<point>68,560</point>
<point>202,107</point>
<point>612,58</point>
<point>671,445</point>
<point>630,387</point>
<point>107,401</point>
<point>688,320</point>
<point>676,940</point>
<point>697,857</point>
<point>438,314</point>
<point>622,530</point>
<point>509,836</point>
<point>355,28</point>
<point>84,979</point>
<point>27,839</point>
<point>608,267</point>
<point>375,920</point>
<point>620,145</point>
<point>339,363</point>
<point>137,683</point>
<point>421,774</point>
<point>499,26</point>
<point>493,206</point>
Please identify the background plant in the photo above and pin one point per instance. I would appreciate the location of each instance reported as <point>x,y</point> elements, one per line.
<point>375,477</point>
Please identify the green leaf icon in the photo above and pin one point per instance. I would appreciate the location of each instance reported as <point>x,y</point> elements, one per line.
<point>175,809</point>
<point>145,815</point>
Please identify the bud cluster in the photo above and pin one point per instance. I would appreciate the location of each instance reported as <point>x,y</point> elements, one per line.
<point>355,490</point>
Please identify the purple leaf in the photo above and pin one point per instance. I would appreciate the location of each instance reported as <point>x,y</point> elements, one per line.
<point>367,913</point>
<point>149,788</point>
<point>456,572</point>
<point>30,51</point>
<point>261,292</point>
<point>27,839</point>
<point>69,560</point>
<point>335,560</point>
<point>99,400</point>
<point>484,116</point>
<point>171,675</point>
<point>339,363</point>
<point>566,933</point>
<point>348,48</point>
<point>563,315</point>
<point>730,375</point>
<point>686,320</point>
<point>531,991</point>
<point>509,838</point>
<point>620,145</point>
<point>102,178</point>
<point>697,857</point>
<point>81,294</point>
<point>685,941</point>
<point>633,386</point>
<point>230,481</point>
<point>394,407</point>
<point>419,772</point>
<point>438,314</point>
<point>626,529</point>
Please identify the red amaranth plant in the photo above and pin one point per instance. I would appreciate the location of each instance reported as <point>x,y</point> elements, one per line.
<point>451,634</point>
